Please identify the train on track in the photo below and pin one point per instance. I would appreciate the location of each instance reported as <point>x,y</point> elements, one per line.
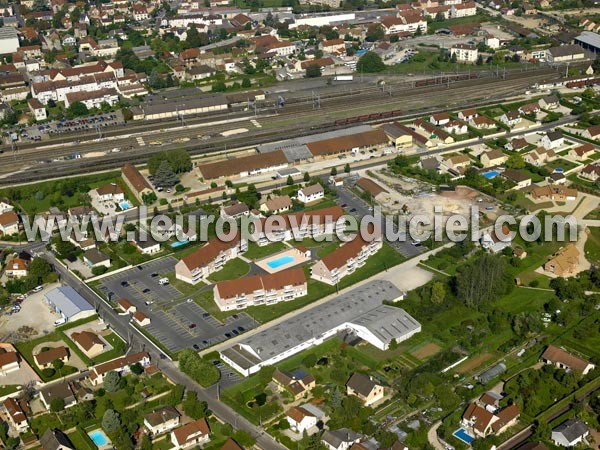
<point>444,79</point>
<point>369,117</point>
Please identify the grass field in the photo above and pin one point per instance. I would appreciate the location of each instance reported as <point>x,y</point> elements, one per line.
<point>255,251</point>
<point>592,246</point>
<point>236,268</point>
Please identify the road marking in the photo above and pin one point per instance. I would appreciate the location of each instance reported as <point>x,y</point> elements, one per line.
<point>255,123</point>
<point>140,141</point>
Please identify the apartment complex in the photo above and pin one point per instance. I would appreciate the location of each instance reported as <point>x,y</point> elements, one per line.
<point>209,259</point>
<point>345,260</point>
<point>260,289</point>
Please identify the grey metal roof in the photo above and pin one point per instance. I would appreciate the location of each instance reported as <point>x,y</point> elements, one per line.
<point>491,373</point>
<point>361,306</point>
<point>590,38</point>
<point>66,300</point>
<point>7,33</point>
<point>336,437</point>
<point>571,429</point>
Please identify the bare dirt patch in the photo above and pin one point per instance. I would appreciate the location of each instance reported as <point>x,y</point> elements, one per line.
<point>426,351</point>
<point>471,364</point>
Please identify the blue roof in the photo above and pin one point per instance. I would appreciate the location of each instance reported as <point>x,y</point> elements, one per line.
<point>66,300</point>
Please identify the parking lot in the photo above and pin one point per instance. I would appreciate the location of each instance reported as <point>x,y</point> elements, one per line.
<point>176,321</point>
<point>39,132</point>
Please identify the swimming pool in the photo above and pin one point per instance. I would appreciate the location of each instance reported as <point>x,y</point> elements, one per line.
<point>462,434</point>
<point>559,170</point>
<point>178,244</point>
<point>125,205</point>
<point>99,438</point>
<point>281,261</point>
<point>491,174</point>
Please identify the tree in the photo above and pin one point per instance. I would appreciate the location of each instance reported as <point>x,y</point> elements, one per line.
<point>313,71</point>
<point>246,82</point>
<point>479,61</point>
<point>193,407</point>
<point>333,172</point>
<point>198,369</point>
<point>137,368</point>
<point>290,180</point>
<point>58,364</point>
<point>347,168</point>
<point>375,32</point>
<point>111,421</point>
<point>165,176</point>
<point>309,360</point>
<point>438,293</point>
<point>515,161</point>
<point>57,404</point>
<point>336,398</point>
<point>111,381</point>
<point>306,177</point>
<point>370,62</point>
<point>77,109</point>
<point>39,269</point>
<point>482,279</point>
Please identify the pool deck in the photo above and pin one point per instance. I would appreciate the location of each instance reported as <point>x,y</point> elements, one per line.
<point>298,259</point>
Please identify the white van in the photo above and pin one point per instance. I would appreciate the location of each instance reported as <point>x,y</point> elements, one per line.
<point>163,281</point>
<point>60,321</point>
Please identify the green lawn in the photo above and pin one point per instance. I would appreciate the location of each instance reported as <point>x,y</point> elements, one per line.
<point>81,440</point>
<point>592,246</point>
<point>8,389</point>
<point>185,288</point>
<point>236,268</point>
<point>560,163</point>
<point>255,251</point>
<point>328,248</point>
<point>118,349</point>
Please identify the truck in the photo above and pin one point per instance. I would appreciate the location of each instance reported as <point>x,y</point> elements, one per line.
<point>343,78</point>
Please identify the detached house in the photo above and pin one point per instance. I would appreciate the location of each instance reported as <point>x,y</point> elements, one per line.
<point>511,118</point>
<point>311,193</point>
<point>296,383</point>
<point>46,358</point>
<point>363,386</point>
<point>552,140</point>
<point>590,172</point>
<point>341,439</point>
<point>570,433</point>
<point>564,262</point>
<point>16,415</point>
<point>89,343</point>
<point>482,123</point>
<point>592,132</point>
<point>9,223</point>
<point>162,420</point>
<point>549,102</point>
<point>193,434</point>
<point>300,419</point>
<point>493,158</point>
<point>468,114</point>
<point>539,156</point>
<point>481,422</point>
<point>457,162</point>
<point>17,268</point>
<point>277,205</point>
<point>565,360</point>
<point>582,152</point>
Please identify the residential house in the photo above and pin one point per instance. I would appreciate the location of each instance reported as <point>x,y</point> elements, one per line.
<point>60,391</point>
<point>465,9</point>
<point>121,365</point>
<point>5,205</point>
<point>300,419</point>
<point>468,114</point>
<point>277,204</point>
<point>439,119</point>
<point>363,386</point>
<point>371,187</point>
<point>539,156</point>
<point>555,193</point>
<point>582,152</point>
<point>465,53</point>
<point>590,172</point>
<point>456,127</point>
<point>530,108</point>
<point>235,211</point>
<point>9,360</point>
<point>209,259</point>
<point>552,140</point>
<point>340,439</point>
<point>162,420</point>
<point>521,179</point>
<point>549,102</point>
<point>110,193</point>
<point>564,262</point>
<point>457,162</point>
<point>45,359</point>
<point>9,223</point>
<point>564,360</point>
<point>17,268</point>
<point>494,243</point>
<point>193,434</point>
<point>511,118</point>
<point>481,422</point>
<point>335,46</point>
<point>265,289</point>
<point>95,258</point>
<point>298,383</point>
<point>570,433</point>
<point>15,414</point>
<point>345,260</point>
<point>482,123</point>
<point>89,343</point>
<point>592,132</point>
<point>38,109</point>
<point>493,158</point>
<point>434,132</point>
<point>53,439</point>
<point>147,246</point>
<point>517,144</point>
<point>230,444</point>
<point>312,193</point>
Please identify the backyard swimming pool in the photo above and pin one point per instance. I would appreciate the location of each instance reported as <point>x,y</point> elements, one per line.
<point>99,438</point>
<point>462,434</point>
<point>491,174</point>
<point>178,244</point>
<point>125,205</point>
<point>281,261</point>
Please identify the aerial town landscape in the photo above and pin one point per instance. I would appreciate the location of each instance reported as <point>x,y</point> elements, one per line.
<point>300,224</point>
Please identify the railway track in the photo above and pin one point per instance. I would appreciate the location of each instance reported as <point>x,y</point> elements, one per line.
<point>295,118</point>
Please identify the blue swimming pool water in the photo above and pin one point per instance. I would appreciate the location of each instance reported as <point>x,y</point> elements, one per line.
<point>179,244</point>
<point>559,170</point>
<point>99,438</point>
<point>125,205</point>
<point>491,174</point>
<point>282,260</point>
<point>462,434</point>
